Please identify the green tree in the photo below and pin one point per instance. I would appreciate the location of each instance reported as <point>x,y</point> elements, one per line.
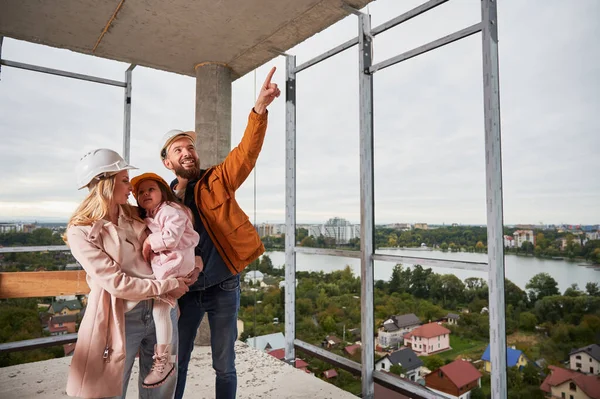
<point>477,393</point>
<point>541,285</point>
<point>433,362</point>
<point>397,369</point>
<point>573,291</point>
<point>527,321</point>
<point>592,289</point>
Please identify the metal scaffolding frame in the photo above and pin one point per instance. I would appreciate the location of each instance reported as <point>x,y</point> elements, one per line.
<point>126,85</point>
<point>495,265</point>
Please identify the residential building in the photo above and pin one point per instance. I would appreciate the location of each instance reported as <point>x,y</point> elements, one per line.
<point>339,229</point>
<point>569,384</point>
<point>352,349</point>
<point>452,319</point>
<point>394,328</point>
<point>428,339</point>
<point>267,229</point>
<point>594,235</point>
<point>329,374</point>
<point>267,343</point>
<point>514,358</point>
<point>454,380</point>
<point>422,226</point>
<point>65,307</point>
<point>278,354</point>
<point>522,236</point>
<point>330,341</point>
<point>10,227</point>
<point>254,277</point>
<point>586,360</point>
<point>406,358</point>
<point>509,242</point>
<point>60,324</point>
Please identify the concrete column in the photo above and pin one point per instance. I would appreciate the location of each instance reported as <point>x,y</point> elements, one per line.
<point>213,127</point>
<point>213,112</point>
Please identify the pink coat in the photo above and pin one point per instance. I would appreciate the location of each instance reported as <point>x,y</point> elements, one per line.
<point>99,250</point>
<point>173,240</point>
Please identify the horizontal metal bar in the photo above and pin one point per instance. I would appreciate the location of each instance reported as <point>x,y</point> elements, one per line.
<point>327,54</point>
<point>381,28</point>
<point>336,360</point>
<point>412,389</point>
<point>37,343</point>
<point>8,250</point>
<point>407,16</point>
<point>65,74</point>
<point>461,34</point>
<point>396,384</point>
<point>453,264</point>
<point>330,252</point>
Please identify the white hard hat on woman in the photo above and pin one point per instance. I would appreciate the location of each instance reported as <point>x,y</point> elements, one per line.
<point>97,164</point>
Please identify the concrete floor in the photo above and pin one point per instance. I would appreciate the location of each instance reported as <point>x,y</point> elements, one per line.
<point>259,376</point>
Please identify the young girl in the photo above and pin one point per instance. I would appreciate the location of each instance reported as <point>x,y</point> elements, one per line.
<point>170,250</point>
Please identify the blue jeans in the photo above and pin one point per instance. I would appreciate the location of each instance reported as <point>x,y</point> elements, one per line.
<point>221,302</point>
<point>140,335</point>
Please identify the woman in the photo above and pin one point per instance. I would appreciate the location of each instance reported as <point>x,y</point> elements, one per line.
<point>105,235</point>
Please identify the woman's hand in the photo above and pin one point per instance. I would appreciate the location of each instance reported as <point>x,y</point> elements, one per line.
<point>181,289</point>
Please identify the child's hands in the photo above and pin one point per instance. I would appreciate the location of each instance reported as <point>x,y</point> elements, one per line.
<point>192,277</point>
<point>146,250</point>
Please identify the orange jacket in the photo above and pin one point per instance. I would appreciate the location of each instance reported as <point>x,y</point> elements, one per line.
<point>230,229</point>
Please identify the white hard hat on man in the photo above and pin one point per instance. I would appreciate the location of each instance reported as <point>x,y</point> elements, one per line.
<point>171,136</point>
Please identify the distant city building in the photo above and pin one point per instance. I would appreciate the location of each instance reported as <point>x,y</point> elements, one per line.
<point>522,236</point>
<point>509,242</point>
<point>10,227</point>
<point>268,229</point>
<point>400,226</point>
<point>337,228</point>
<point>422,226</point>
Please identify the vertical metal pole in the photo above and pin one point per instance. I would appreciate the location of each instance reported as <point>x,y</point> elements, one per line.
<point>290,207</point>
<point>366,203</point>
<point>1,40</point>
<point>493,179</point>
<point>127,118</point>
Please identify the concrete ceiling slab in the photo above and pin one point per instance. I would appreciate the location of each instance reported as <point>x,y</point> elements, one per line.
<point>173,35</point>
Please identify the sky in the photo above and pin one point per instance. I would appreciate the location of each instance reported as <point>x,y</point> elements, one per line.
<point>429,130</point>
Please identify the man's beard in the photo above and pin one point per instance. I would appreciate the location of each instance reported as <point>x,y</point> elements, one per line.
<point>188,174</point>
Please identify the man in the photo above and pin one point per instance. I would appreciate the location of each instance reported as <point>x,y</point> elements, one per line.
<point>228,241</point>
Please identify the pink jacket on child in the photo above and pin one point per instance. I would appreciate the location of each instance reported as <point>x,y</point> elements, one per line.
<point>173,241</point>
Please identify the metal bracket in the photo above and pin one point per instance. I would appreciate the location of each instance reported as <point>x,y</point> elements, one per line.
<point>350,9</point>
<point>277,51</point>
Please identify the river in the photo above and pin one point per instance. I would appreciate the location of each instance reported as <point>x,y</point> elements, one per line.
<point>519,269</point>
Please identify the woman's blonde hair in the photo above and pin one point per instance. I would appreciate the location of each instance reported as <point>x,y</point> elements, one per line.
<point>96,204</point>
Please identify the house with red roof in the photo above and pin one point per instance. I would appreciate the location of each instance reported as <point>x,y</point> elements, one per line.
<point>454,380</point>
<point>428,339</point>
<point>352,349</point>
<point>278,354</point>
<point>331,373</point>
<point>570,384</point>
